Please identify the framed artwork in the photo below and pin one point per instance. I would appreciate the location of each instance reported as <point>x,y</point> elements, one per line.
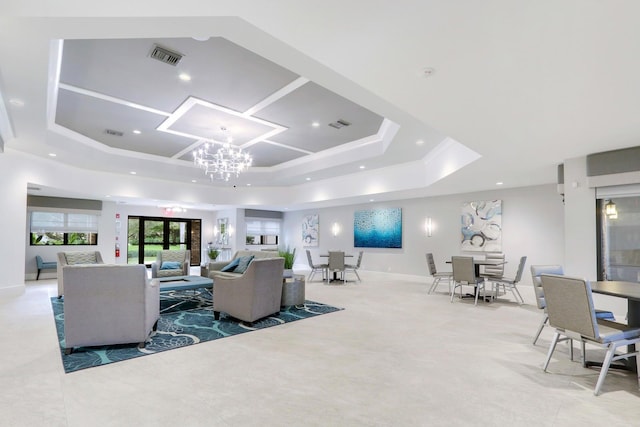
<point>310,230</point>
<point>223,232</point>
<point>481,226</point>
<point>378,228</point>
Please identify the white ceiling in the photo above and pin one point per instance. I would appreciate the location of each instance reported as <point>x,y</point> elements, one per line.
<point>516,88</point>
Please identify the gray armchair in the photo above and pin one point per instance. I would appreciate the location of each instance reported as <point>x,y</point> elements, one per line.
<point>252,295</point>
<point>571,313</point>
<point>536,272</point>
<point>75,258</point>
<point>160,268</point>
<point>108,304</point>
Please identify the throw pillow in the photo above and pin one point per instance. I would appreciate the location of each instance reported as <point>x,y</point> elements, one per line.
<point>231,266</point>
<point>170,265</point>
<point>243,264</point>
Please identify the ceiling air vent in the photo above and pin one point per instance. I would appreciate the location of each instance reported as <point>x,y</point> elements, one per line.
<point>113,132</point>
<point>165,55</point>
<point>339,124</point>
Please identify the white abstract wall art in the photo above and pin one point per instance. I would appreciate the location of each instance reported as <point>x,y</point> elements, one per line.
<point>310,226</point>
<point>482,226</point>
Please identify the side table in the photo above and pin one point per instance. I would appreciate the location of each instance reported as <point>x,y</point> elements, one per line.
<point>204,270</point>
<point>293,291</point>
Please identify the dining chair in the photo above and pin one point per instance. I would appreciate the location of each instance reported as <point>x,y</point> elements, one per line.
<point>436,275</point>
<point>464,274</point>
<point>316,267</point>
<point>336,264</point>
<point>512,282</point>
<point>354,267</point>
<point>570,308</point>
<point>536,272</point>
<point>493,271</point>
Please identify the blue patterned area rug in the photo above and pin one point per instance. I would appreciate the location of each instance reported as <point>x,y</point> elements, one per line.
<point>186,318</point>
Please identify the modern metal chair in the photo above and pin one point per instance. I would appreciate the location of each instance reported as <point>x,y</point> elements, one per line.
<point>570,308</point>
<point>536,272</point>
<point>354,267</point>
<point>436,275</point>
<point>512,282</point>
<point>316,267</point>
<point>496,271</point>
<point>464,274</point>
<point>336,264</point>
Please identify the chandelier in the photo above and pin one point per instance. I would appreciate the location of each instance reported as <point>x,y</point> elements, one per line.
<point>222,163</point>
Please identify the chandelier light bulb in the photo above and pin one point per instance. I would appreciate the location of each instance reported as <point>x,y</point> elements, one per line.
<point>222,163</point>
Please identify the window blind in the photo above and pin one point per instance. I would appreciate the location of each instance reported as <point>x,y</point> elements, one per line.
<point>63,222</point>
<point>263,227</point>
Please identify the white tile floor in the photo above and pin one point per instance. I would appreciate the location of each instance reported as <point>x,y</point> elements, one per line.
<point>394,357</point>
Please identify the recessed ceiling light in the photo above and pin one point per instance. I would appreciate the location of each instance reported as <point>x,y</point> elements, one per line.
<point>371,200</point>
<point>137,132</point>
<point>499,183</point>
<point>184,77</point>
<point>427,72</point>
<point>248,185</point>
<point>308,179</point>
<point>193,180</point>
<point>362,166</point>
<point>419,142</point>
<point>132,172</point>
<point>315,124</point>
<point>52,154</point>
<point>16,102</point>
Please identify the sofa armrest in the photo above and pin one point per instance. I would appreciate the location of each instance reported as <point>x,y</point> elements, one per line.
<point>217,265</point>
<point>154,269</point>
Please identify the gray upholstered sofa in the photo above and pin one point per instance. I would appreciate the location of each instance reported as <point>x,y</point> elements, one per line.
<point>108,304</point>
<point>75,258</point>
<point>252,295</point>
<point>216,266</point>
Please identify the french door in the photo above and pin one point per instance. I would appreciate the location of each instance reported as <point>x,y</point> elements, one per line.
<point>146,236</point>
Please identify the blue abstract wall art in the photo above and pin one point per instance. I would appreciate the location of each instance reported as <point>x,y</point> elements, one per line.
<point>378,228</point>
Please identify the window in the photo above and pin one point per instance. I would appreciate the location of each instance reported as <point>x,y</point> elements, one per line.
<point>63,228</point>
<point>262,231</point>
<point>619,239</point>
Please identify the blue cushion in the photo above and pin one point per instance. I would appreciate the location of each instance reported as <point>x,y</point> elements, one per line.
<point>243,264</point>
<point>171,265</point>
<point>231,266</point>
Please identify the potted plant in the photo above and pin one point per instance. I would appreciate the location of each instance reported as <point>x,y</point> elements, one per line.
<point>213,253</point>
<point>289,257</point>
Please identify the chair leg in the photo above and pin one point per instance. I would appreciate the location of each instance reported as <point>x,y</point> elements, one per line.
<point>434,284</point>
<point>540,328</point>
<point>357,275</point>
<point>605,367</point>
<point>38,275</point>
<point>552,348</point>
<point>515,291</point>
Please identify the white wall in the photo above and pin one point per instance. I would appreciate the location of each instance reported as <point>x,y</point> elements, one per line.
<point>532,225</point>
<point>13,193</point>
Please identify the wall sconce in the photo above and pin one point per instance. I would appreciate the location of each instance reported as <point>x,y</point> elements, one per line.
<point>610,210</point>
<point>335,229</point>
<point>428,226</point>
